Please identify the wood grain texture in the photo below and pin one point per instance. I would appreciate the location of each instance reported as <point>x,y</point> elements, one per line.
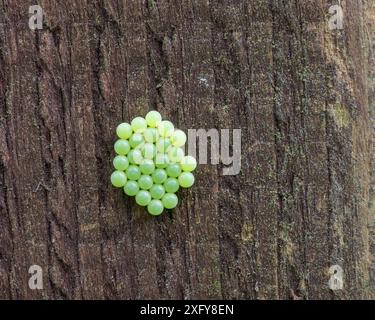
<point>302,94</point>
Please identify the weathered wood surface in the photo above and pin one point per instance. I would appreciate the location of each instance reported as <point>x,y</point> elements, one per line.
<point>300,92</point>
